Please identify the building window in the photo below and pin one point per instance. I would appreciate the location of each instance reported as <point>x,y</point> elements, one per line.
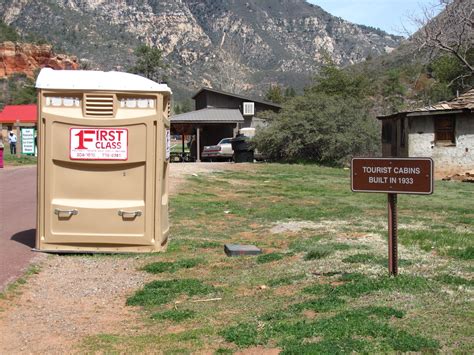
<point>444,130</point>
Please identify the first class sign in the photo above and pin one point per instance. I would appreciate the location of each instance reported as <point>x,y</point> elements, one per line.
<point>98,143</point>
<point>392,175</point>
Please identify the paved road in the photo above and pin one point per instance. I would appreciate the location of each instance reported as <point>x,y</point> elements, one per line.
<point>17,221</point>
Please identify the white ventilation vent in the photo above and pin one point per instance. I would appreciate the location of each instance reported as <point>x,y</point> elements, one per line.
<point>249,108</point>
<point>99,105</point>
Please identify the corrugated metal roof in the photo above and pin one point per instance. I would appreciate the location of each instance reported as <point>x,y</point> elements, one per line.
<point>209,115</point>
<point>463,102</point>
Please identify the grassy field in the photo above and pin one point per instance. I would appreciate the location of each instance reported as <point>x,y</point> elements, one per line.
<point>321,285</point>
<point>10,159</point>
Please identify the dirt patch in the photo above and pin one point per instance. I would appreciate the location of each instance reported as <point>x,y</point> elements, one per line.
<point>175,329</point>
<point>77,296</point>
<point>179,172</point>
<point>289,290</point>
<point>296,226</point>
<point>310,314</point>
<point>70,298</point>
<point>247,291</point>
<point>355,235</point>
<point>259,350</point>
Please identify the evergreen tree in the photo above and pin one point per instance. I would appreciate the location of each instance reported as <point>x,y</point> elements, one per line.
<point>393,91</point>
<point>329,123</point>
<point>274,94</point>
<point>290,92</point>
<point>186,106</point>
<point>7,33</point>
<point>149,63</point>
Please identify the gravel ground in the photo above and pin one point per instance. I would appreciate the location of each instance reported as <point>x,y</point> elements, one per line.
<point>75,296</point>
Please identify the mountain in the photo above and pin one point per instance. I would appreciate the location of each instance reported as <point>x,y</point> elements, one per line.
<point>235,45</point>
<point>27,58</point>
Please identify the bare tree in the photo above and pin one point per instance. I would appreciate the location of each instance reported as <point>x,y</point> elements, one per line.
<point>451,31</point>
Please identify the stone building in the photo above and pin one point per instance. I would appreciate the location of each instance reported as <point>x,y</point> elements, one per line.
<point>443,132</point>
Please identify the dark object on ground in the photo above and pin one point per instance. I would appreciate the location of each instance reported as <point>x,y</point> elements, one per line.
<point>468,176</point>
<point>244,157</point>
<point>237,250</point>
<point>243,153</point>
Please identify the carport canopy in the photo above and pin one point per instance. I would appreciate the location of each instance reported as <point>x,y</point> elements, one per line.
<point>217,120</point>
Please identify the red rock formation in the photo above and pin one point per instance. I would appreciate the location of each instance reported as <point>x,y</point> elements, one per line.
<point>26,58</point>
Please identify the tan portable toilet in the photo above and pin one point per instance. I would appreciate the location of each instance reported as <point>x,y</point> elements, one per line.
<point>103,161</point>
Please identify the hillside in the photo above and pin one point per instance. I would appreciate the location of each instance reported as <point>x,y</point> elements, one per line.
<point>234,45</point>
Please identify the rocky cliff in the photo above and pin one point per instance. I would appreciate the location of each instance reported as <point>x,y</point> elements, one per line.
<point>238,45</point>
<point>25,58</point>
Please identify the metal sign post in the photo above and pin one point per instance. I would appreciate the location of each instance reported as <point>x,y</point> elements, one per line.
<point>392,176</point>
<point>392,235</point>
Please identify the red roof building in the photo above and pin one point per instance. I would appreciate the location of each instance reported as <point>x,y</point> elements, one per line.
<point>21,113</point>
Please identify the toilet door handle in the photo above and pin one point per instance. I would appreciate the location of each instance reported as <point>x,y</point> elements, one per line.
<point>132,214</point>
<point>65,213</point>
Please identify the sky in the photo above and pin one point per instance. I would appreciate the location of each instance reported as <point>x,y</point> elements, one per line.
<point>388,15</point>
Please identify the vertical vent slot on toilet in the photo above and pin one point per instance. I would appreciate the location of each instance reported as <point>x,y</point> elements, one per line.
<point>99,105</point>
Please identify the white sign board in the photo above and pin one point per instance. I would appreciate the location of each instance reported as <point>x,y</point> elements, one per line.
<point>98,143</point>
<point>28,141</point>
<point>168,144</point>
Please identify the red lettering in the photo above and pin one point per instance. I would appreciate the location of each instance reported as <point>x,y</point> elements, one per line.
<point>82,139</point>
<point>101,138</point>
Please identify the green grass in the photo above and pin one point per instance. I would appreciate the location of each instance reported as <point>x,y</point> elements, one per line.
<point>208,245</point>
<point>304,244</point>
<point>10,159</point>
<point>356,285</point>
<point>358,330</point>
<point>445,242</point>
<point>454,280</point>
<point>367,258</point>
<point>175,315</point>
<point>317,253</point>
<point>164,266</point>
<point>161,292</point>
<point>320,251</point>
<point>341,300</point>
<point>322,304</point>
<point>268,258</point>
<point>466,253</point>
<point>180,342</point>
<point>286,280</point>
<point>243,335</point>
<point>15,287</point>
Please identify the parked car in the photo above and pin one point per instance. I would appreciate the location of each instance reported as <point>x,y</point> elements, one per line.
<point>220,151</point>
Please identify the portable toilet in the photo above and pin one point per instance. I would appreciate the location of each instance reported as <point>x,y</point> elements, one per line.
<point>103,161</point>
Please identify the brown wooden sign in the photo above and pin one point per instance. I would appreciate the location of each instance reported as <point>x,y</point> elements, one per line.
<point>392,175</point>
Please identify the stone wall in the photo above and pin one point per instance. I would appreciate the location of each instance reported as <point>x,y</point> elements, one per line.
<point>448,158</point>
